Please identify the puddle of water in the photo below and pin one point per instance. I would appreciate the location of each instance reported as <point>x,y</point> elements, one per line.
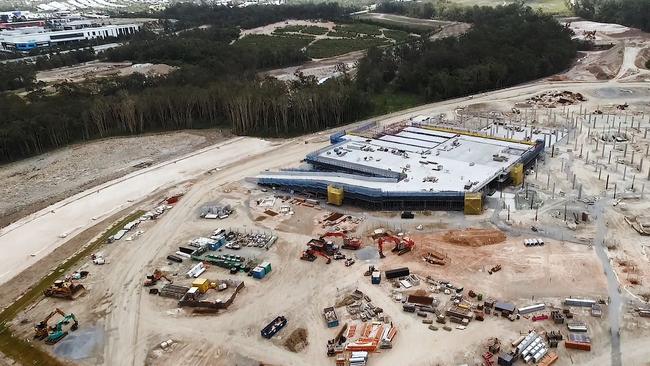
<point>81,344</point>
<point>367,253</point>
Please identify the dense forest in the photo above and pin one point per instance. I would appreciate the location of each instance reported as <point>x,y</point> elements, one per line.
<point>506,45</point>
<point>633,13</point>
<point>217,81</point>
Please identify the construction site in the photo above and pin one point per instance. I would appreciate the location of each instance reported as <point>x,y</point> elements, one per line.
<point>504,228</point>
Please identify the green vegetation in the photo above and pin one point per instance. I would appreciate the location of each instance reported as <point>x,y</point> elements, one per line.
<point>305,29</point>
<point>263,41</point>
<point>17,348</point>
<point>506,45</point>
<point>216,83</point>
<point>333,47</point>
<point>632,13</point>
<point>397,35</point>
<point>358,29</point>
<point>393,101</point>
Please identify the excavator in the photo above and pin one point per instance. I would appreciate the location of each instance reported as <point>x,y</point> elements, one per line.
<point>310,255</point>
<point>348,242</point>
<point>55,333</point>
<point>402,244</point>
<point>155,277</point>
<point>64,289</point>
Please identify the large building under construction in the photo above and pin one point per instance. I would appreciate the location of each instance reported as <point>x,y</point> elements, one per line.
<point>415,167</point>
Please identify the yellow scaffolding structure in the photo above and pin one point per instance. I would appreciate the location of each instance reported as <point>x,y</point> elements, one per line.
<point>517,174</point>
<point>473,203</point>
<point>334,195</point>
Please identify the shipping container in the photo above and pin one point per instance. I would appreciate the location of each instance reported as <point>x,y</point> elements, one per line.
<point>274,327</point>
<point>397,272</point>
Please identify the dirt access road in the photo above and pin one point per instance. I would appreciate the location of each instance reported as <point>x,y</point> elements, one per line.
<point>33,237</point>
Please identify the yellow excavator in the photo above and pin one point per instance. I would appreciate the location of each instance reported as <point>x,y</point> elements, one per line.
<point>55,333</point>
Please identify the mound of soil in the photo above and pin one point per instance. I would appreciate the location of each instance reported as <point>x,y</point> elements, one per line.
<point>297,341</point>
<point>474,237</point>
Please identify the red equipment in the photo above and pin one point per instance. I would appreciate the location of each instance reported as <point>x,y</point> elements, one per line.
<point>348,242</point>
<point>402,244</point>
<point>310,255</point>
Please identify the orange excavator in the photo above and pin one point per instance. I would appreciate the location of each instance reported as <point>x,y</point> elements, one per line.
<point>348,242</point>
<point>155,277</point>
<point>402,244</point>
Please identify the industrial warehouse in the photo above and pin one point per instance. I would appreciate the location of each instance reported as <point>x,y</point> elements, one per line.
<point>416,166</point>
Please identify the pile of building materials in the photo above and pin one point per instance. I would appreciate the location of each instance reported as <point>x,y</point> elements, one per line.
<point>579,302</point>
<point>532,348</point>
<point>173,291</point>
<point>533,242</point>
<point>640,224</point>
<point>531,309</point>
<point>552,99</point>
<point>435,257</point>
<point>198,296</point>
<point>578,341</point>
<point>330,316</point>
<point>216,212</point>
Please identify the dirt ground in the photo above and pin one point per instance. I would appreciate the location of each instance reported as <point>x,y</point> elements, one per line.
<point>97,69</point>
<point>600,257</point>
<point>34,183</point>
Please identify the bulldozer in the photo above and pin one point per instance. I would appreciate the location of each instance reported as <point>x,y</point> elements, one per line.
<point>155,277</point>
<point>55,333</point>
<point>64,289</point>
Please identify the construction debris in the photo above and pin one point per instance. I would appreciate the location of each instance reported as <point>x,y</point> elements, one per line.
<point>552,99</point>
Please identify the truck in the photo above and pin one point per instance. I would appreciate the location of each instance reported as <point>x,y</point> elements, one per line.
<point>330,316</point>
<point>273,327</point>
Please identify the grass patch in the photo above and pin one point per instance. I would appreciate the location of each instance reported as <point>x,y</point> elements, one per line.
<point>359,28</point>
<point>305,29</point>
<point>263,41</point>
<point>397,35</point>
<point>333,47</point>
<point>403,23</point>
<point>389,102</point>
<point>315,30</point>
<point>27,353</point>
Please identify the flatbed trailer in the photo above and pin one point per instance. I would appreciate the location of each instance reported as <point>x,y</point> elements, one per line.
<point>273,327</point>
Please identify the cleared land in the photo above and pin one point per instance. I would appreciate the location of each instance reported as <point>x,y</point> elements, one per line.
<point>97,69</point>
<point>122,324</point>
